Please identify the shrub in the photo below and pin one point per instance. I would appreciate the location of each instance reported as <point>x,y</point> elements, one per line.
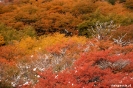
<point>27,45</point>
<point>8,52</point>
<point>11,34</point>
<point>28,31</point>
<point>85,74</point>
<point>99,30</point>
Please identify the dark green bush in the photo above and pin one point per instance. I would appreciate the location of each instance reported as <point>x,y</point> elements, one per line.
<point>84,28</point>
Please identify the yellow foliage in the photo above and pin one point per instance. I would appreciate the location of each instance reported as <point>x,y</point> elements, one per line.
<point>107,8</point>
<point>30,45</point>
<point>49,40</point>
<point>2,41</point>
<point>27,45</point>
<point>79,39</point>
<point>59,39</point>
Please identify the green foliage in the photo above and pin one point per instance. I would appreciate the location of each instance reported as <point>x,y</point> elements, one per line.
<point>8,33</point>
<point>11,34</point>
<point>123,20</point>
<point>85,26</point>
<point>28,31</point>
<point>92,19</point>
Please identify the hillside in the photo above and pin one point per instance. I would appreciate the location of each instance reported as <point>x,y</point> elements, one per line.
<point>66,43</point>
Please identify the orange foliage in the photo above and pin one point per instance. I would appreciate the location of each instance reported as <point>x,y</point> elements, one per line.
<point>8,52</point>
<point>107,8</point>
<point>124,30</point>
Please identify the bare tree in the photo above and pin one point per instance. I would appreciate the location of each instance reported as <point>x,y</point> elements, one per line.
<point>102,30</point>
<point>120,40</point>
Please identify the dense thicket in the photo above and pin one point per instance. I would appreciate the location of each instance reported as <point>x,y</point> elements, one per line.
<point>75,16</point>
<point>66,43</point>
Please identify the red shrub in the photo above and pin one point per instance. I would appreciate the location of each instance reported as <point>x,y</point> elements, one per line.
<point>85,74</point>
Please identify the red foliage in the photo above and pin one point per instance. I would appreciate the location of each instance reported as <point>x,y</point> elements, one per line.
<point>85,74</point>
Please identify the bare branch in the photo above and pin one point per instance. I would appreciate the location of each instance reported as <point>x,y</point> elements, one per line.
<point>101,30</point>
<point>120,40</point>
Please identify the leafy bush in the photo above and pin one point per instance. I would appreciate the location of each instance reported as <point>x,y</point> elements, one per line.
<point>99,29</point>
<point>87,62</point>
<point>27,45</point>
<point>28,31</point>
<point>11,34</point>
<point>8,33</point>
<point>85,74</point>
<point>85,27</point>
<point>8,52</point>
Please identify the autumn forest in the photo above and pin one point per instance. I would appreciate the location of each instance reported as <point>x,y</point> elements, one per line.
<point>66,43</point>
